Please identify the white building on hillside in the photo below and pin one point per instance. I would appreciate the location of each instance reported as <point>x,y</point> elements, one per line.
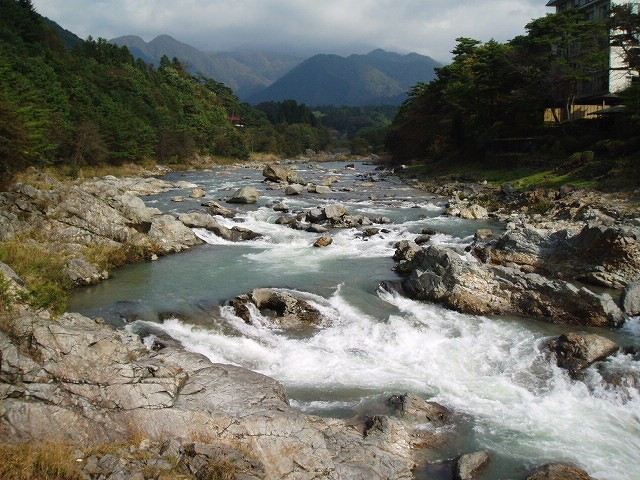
<point>596,94</point>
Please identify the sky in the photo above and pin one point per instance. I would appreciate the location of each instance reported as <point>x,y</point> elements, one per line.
<point>301,27</point>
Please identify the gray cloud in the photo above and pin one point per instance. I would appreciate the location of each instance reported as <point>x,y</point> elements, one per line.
<point>424,26</point>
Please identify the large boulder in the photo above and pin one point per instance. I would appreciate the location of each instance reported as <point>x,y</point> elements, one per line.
<point>276,173</point>
<point>217,209</point>
<point>576,351</point>
<point>282,308</point>
<point>206,221</point>
<point>441,275</point>
<point>294,189</point>
<point>244,195</point>
<point>603,255</point>
<point>78,381</point>
<point>334,211</point>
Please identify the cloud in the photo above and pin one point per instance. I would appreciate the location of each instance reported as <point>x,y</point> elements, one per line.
<point>424,26</point>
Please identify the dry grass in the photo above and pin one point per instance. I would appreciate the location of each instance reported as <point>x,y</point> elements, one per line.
<point>264,157</point>
<point>42,271</point>
<point>56,461</point>
<point>30,461</point>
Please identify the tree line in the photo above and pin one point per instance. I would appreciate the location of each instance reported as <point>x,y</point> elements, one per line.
<point>492,96</point>
<point>73,103</point>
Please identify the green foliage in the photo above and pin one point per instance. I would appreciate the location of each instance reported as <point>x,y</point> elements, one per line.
<point>488,104</point>
<point>96,105</point>
<point>41,270</point>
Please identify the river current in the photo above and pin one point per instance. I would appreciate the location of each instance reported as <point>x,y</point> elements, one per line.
<point>509,399</point>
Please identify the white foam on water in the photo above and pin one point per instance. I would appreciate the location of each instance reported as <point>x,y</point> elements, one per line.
<point>495,371</point>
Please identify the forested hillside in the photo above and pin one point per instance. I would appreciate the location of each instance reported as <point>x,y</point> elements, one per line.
<point>487,107</point>
<point>378,78</point>
<point>246,72</point>
<point>95,104</point>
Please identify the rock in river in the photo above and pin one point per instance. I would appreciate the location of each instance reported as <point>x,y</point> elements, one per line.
<point>245,195</point>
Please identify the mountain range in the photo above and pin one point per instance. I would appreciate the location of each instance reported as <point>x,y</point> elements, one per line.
<point>378,77</point>
<point>245,72</point>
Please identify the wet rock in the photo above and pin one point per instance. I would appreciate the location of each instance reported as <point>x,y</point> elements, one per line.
<point>282,308</point>
<point>405,251</point>
<point>334,211</point>
<point>276,173</point>
<point>294,189</point>
<point>597,254</point>
<point>316,228</point>
<point>215,208</point>
<point>177,199</point>
<point>439,274</point>
<point>470,465</point>
<point>422,239</point>
<point>315,215</point>
<point>630,299</point>
<point>281,207</point>
<point>374,423</point>
<point>419,410</point>
<point>577,351</point>
<point>370,232</point>
<point>559,471</point>
<point>324,241</point>
<point>245,195</point>
<point>198,193</point>
<point>285,220</point>
<point>206,221</point>
<point>321,189</point>
<point>78,381</point>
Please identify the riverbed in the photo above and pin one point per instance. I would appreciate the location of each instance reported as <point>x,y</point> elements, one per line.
<point>508,397</point>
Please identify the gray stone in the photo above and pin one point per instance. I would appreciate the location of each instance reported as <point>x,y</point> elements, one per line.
<point>276,173</point>
<point>217,209</point>
<point>323,241</point>
<point>84,383</point>
<point>334,211</point>
<point>315,228</point>
<point>206,221</point>
<point>198,193</point>
<point>321,189</point>
<point>577,351</point>
<point>81,272</point>
<point>474,212</point>
<point>245,195</point>
<point>470,465</point>
<point>294,189</point>
<point>282,308</point>
<point>630,299</point>
<point>439,274</point>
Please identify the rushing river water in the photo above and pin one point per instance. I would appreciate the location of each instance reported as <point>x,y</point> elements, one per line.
<point>508,397</point>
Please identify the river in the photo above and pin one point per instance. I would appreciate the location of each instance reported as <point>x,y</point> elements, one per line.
<point>509,399</point>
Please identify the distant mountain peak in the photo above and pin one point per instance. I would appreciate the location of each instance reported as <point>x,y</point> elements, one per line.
<point>376,78</point>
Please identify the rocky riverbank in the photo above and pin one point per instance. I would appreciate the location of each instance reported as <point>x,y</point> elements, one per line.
<point>76,380</point>
<point>560,249</point>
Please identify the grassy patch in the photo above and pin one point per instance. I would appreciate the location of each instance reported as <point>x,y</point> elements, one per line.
<point>41,270</point>
<point>583,169</point>
<point>57,461</point>
<point>28,461</point>
<point>6,299</point>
